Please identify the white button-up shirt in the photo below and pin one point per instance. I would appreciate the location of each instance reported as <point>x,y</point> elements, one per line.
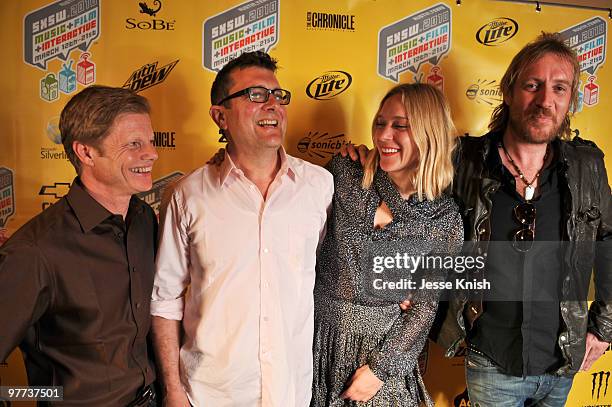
<point>239,271</point>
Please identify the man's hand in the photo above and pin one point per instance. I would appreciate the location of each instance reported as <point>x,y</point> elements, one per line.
<point>360,153</point>
<point>594,349</point>
<point>362,386</point>
<point>218,158</point>
<point>176,398</point>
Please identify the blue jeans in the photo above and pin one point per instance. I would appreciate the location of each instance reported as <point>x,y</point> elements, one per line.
<point>488,386</point>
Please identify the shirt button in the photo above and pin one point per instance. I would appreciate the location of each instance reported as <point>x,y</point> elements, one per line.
<point>133,269</point>
<point>137,305</point>
<point>266,250</point>
<point>564,309</point>
<point>265,319</point>
<point>563,338</point>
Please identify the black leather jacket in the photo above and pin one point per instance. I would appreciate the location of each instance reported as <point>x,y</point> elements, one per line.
<point>587,211</point>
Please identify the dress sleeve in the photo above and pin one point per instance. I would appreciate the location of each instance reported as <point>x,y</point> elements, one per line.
<point>172,264</point>
<point>399,351</point>
<point>25,293</point>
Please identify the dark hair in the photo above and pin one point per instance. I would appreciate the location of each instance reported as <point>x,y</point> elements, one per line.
<point>89,115</point>
<point>546,43</point>
<point>222,83</point>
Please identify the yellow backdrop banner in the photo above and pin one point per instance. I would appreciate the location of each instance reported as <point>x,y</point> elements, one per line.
<point>337,58</point>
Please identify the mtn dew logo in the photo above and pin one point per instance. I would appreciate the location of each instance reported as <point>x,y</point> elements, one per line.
<point>405,45</point>
<point>251,26</point>
<point>52,31</point>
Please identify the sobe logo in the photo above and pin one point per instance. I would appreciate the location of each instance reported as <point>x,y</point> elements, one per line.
<point>497,31</point>
<point>156,24</point>
<point>329,85</point>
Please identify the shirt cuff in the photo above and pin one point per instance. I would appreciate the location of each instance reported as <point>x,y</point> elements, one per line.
<point>168,309</point>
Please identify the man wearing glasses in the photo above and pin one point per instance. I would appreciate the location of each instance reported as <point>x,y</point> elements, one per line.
<point>232,300</point>
<point>524,188</point>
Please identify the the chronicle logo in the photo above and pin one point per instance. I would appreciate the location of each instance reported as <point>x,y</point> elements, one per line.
<point>7,195</point>
<point>155,24</point>
<point>154,196</point>
<point>485,91</point>
<point>497,31</point>
<point>149,75</point>
<point>51,193</point>
<point>600,384</point>
<point>321,145</point>
<point>329,21</point>
<point>164,139</point>
<point>329,85</point>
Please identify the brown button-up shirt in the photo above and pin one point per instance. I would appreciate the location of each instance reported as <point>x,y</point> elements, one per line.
<point>75,287</point>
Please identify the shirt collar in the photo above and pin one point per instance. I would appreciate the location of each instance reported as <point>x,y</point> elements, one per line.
<point>89,212</point>
<point>287,167</point>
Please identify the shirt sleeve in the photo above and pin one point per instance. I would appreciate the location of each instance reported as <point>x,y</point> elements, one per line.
<point>172,263</point>
<point>600,312</point>
<point>25,293</point>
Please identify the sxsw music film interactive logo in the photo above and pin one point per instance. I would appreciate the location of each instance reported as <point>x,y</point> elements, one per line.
<point>329,21</point>
<point>599,387</point>
<point>321,145</point>
<point>407,44</point>
<point>149,75</point>
<point>152,23</point>
<point>589,40</point>
<point>329,85</point>
<point>7,199</point>
<point>51,33</point>
<point>250,26</point>
<point>53,192</point>
<point>497,31</point>
<point>154,196</point>
<point>484,91</point>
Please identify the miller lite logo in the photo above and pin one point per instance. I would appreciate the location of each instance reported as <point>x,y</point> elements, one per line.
<point>497,31</point>
<point>329,85</point>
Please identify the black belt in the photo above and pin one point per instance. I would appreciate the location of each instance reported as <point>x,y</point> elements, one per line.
<point>145,397</point>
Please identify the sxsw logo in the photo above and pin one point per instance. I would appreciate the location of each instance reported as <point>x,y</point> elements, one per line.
<point>149,75</point>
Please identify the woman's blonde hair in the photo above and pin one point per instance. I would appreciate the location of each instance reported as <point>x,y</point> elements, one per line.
<point>433,132</point>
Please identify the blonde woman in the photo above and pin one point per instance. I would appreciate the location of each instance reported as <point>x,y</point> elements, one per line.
<point>365,348</point>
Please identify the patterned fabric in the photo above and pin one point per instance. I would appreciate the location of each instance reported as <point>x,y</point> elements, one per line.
<point>353,326</point>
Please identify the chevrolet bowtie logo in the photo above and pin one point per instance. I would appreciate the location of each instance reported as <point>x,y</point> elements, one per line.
<point>57,190</point>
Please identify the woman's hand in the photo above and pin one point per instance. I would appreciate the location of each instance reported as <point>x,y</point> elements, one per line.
<point>362,386</point>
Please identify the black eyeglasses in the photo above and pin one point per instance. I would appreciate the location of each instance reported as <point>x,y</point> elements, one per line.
<point>259,94</point>
<point>525,213</point>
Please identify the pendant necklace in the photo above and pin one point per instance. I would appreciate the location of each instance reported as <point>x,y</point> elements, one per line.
<point>529,187</point>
